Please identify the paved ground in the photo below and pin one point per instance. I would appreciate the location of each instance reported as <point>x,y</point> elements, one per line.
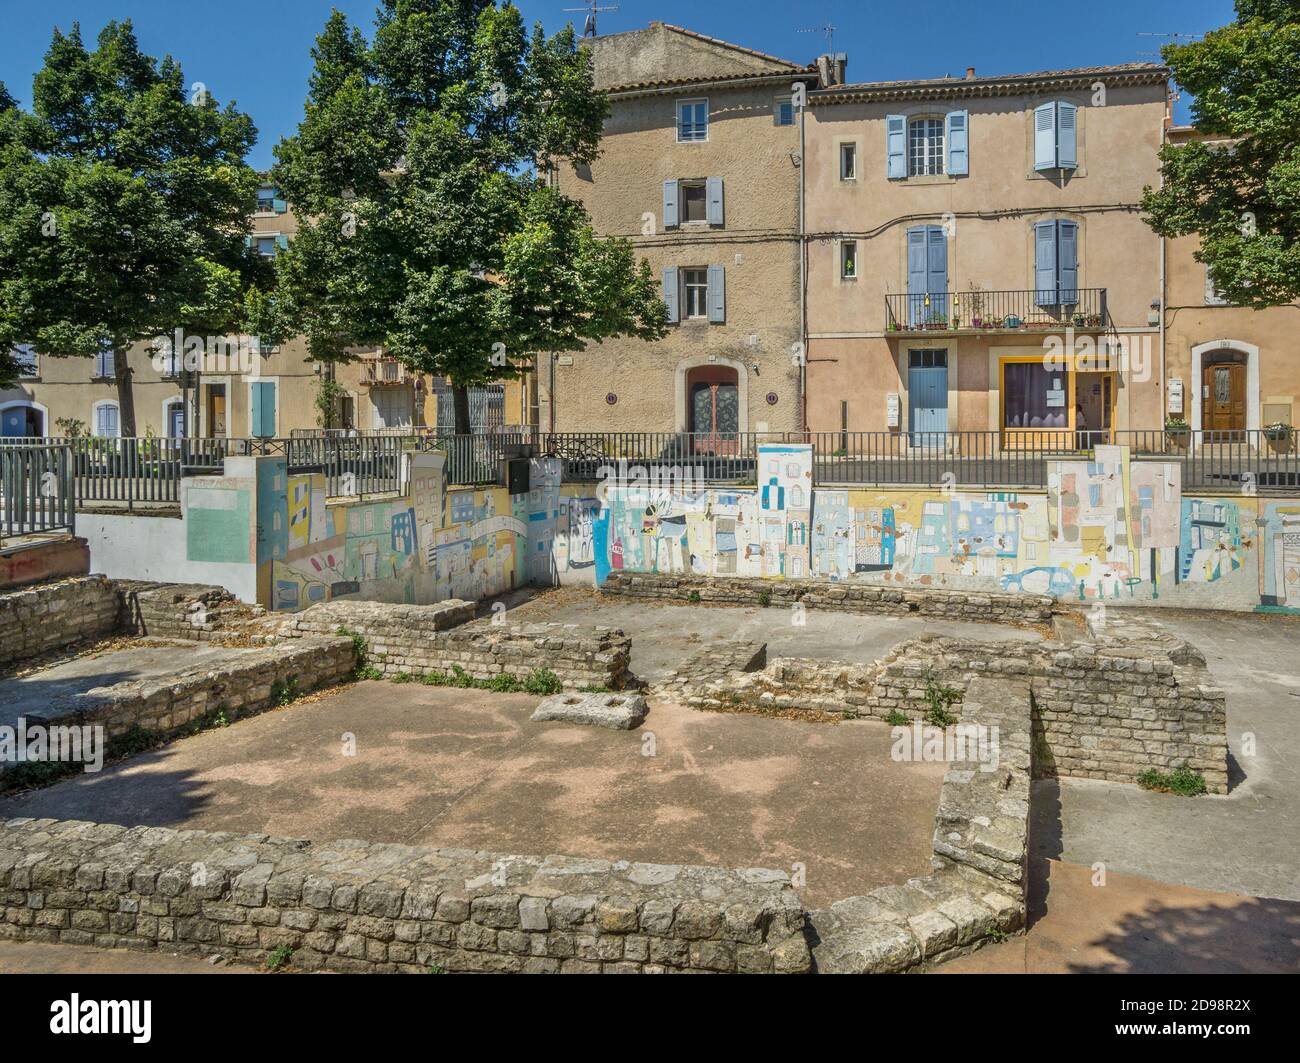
<point>1133,925</point>
<point>467,768</point>
<point>1247,842</point>
<point>662,635</point>
<point>57,689</point>
<point>35,957</point>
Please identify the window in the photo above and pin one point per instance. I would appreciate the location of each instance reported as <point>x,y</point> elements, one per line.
<point>1056,136</point>
<point>1033,396</point>
<point>693,120</point>
<point>785,112</point>
<point>266,246</point>
<point>106,420</point>
<point>848,162</point>
<point>849,259</point>
<point>924,147</point>
<point>269,200</point>
<point>695,289</point>
<point>696,293</point>
<point>698,200</point>
<point>694,201</point>
<point>1213,297</point>
<point>1056,263</point>
<point>928,358</point>
<point>105,368</point>
<point>28,362</point>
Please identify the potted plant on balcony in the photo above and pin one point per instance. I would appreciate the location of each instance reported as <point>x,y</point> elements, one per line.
<point>1011,321</point>
<point>975,301</point>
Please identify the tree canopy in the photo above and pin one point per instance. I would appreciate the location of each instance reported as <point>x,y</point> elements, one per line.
<point>428,223</point>
<point>1238,184</point>
<point>124,203</point>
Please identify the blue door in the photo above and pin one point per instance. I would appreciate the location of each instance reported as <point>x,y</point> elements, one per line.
<point>176,426</point>
<point>927,276</point>
<point>927,396</point>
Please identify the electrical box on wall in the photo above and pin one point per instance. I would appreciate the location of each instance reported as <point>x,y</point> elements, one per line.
<point>1175,396</point>
<point>517,482</point>
<point>891,410</point>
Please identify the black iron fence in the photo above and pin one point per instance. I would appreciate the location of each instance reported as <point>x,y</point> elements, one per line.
<point>985,311</point>
<point>143,473</point>
<point>1232,461</point>
<point>36,490</point>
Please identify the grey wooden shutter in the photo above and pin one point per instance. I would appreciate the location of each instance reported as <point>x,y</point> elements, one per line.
<point>1067,136</point>
<point>896,145</point>
<point>1045,136</point>
<point>713,193</point>
<point>671,290</point>
<point>957,137</point>
<point>670,204</point>
<point>1045,277</point>
<point>717,293</point>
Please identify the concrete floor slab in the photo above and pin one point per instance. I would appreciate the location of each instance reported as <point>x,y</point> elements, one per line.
<point>1133,925</point>
<point>56,690</point>
<point>438,766</point>
<point>663,634</point>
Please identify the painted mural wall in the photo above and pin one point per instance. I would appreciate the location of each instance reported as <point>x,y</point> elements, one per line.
<point>432,543</point>
<point>1111,529</point>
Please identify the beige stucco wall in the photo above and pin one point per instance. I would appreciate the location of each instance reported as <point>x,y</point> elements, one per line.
<point>1266,338</point>
<point>757,244</point>
<point>989,216</point>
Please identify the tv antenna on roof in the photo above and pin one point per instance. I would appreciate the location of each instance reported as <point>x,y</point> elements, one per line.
<point>589,23</point>
<point>1180,38</point>
<point>827,29</point>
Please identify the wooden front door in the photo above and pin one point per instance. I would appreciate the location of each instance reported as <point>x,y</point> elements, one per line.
<point>216,410</point>
<point>1224,398</point>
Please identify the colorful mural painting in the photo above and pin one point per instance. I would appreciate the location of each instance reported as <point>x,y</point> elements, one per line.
<point>1112,528</point>
<point>427,545</point>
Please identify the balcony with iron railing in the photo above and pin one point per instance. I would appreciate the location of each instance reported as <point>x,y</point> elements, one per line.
<point>979,311</point>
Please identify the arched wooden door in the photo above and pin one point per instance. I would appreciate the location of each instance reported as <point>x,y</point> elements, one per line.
<point>1223,393</point>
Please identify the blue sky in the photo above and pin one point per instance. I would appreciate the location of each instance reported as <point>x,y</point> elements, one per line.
<point>257,51</point>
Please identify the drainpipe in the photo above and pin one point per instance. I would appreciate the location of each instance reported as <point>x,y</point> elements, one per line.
<point>803,273</point>
<point>1164,293</point>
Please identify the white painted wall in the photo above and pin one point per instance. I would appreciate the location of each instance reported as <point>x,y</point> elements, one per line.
<point>138,546</point>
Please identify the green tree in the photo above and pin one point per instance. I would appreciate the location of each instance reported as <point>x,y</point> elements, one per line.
<point>1239,186</point>
<point>428,224</point>
<point>124,203</point>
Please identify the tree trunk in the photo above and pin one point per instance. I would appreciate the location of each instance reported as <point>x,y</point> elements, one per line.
<point>125,394</point>
<point>460,404</point>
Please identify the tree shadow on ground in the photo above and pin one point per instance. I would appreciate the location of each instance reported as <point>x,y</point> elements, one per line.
<point>1256,935</point>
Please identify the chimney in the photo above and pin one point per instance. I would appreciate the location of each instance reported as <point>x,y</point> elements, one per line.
<point>841,65</point>
<point>824,73</point>
<point>970,73</point>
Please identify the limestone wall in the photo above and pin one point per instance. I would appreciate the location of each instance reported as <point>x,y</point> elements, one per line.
<point>1106,707</point>
<point>838,595</point>
<point>50,616</point>
<point>427,638</point>
<point>365,907</point>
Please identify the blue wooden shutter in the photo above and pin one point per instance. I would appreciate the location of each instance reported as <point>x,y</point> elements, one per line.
<point>1067,137</point>
<point>936,260</point>
<point>248,241</point>
<point>279,205</point>
<point>1045,136</point>
<point>282,243</point>
<point>896,145</point>
<point>1045,282</point>
<point>717,294</point>
<point>713,194</point>
<point>1067,256</point>
<point>957,137</point>
<point>670,204</point>
<point>262,417</point>
<point>671,293</point>
<point>917,273</point>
